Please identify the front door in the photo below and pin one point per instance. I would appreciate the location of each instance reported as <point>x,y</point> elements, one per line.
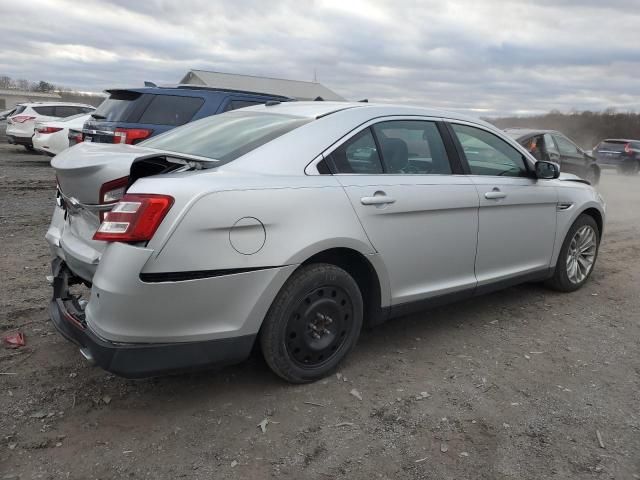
<point>517,216</point>
<point>419,216</point>
<point>571,157</point>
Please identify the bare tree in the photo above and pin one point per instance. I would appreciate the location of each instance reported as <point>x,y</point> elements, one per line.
<point>6,82</point>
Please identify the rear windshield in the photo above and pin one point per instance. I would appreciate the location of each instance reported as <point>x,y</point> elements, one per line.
<point>117,107</point>
<point>19,109</point>
<point>227,136</point>
<point>73,117</point>
<point>171,110</point>
<point>612,145</point>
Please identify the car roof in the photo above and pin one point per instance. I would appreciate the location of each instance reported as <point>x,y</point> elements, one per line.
<point>53,104</point>
<point>185,90</point>
<point>522,132</point>
<point>619,140</point>
<point>318,109</point>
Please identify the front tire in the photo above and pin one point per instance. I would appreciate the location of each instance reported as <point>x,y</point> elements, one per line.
<point>577,255</point>
<point>313,323</point>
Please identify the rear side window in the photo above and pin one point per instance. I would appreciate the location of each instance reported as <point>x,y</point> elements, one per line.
<point>171,110</point>
<point>412,147</point>
<point>118,106</point>
<point>359,154</point>
<point>227,136</point>
<point>488,154</point>
<point>47,111</point>
<point>236,104</point>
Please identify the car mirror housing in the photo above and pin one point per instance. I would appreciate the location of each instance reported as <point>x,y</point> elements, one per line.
<point>547,170</point>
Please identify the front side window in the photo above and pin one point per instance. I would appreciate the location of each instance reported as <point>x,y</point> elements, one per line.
<point>487,154</point>
<point>359,154</point>
<point>227,136</point>
<point>566,146</point>
<point>550,145</point>
<point>412,147</point>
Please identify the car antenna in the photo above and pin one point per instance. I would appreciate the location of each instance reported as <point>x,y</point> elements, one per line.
<point>318,99</point>
<point>364,100</point>
<point>150,84</point>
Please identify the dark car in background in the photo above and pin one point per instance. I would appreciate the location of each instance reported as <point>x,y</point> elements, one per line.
<point>553,146</point>
<point>618,153</point>
<point>135,114</point>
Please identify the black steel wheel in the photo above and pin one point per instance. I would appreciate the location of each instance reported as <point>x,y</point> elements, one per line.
<point>313,323</point>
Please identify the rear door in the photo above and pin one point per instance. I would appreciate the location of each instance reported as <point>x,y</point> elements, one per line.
<point>517,216</point>
<point>418,213</point>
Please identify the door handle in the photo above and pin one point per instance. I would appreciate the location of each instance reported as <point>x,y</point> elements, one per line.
<point>377,200</point>
<point>495,195</point>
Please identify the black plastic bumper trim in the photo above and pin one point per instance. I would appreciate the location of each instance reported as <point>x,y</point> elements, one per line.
<point>195,274</point>
<point>142,360</point>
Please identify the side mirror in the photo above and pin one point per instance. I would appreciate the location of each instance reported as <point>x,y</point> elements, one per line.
<point>547,170</point>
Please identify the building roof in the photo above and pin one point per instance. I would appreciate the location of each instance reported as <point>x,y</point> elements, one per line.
<point>273,86</point>
<point>27,93</point>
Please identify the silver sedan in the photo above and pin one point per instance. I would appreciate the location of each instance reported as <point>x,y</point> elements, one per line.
<point>292,225</point>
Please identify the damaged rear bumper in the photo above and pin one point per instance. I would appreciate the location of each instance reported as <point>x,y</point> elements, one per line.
<point>136,360</point>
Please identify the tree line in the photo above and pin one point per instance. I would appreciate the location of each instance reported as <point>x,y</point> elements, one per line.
<point>8,83</point>
<point>585,128</point>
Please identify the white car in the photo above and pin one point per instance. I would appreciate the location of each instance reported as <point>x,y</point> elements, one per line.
<point>21,124</point>
<point>53,137</point>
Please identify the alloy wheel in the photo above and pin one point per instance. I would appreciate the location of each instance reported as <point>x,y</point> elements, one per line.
<point>581,254</point>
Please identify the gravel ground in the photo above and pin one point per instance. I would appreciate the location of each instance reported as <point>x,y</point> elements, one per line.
<point>513,385</point>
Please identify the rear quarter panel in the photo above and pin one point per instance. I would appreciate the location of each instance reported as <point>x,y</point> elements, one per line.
<point>299,219</point>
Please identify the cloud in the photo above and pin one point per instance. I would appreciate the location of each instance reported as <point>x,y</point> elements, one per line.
<point>490,57</point>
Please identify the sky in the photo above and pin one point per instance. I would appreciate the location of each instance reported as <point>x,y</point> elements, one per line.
<point>484,57</point>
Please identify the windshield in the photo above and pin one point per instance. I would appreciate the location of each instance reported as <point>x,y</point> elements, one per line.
<point>226,137</point>
<point>116,108</point>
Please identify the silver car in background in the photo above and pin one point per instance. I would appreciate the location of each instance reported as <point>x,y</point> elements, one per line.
<point>292,225</point>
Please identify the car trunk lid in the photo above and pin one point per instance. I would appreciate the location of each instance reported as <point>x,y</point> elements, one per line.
<point>82,172</point>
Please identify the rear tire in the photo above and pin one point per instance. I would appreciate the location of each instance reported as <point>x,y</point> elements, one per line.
<point>313,323</point>
<point>630,169</point>
<point>577,256</point>
<point>29,148</point>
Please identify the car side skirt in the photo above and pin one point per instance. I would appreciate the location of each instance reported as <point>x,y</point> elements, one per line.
<point>408,308</point>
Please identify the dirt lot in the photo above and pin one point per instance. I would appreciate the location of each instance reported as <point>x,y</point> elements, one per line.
<point>517,384</point>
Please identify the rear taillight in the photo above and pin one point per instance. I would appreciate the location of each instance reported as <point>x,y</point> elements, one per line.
<point>130,135</point>
<point>135,218</point>
<point>627,149</point>
<point>48,129</point>
<point>21,118</point>
<point>112,191</point>
<point>75,138</point>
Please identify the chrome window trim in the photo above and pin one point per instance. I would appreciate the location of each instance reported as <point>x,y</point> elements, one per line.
<point>311,168</point>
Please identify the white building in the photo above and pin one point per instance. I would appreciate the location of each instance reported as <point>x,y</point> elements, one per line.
<point>11,98</point>
<point>274,86</point>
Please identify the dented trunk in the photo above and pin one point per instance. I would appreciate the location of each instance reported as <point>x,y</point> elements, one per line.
<point>91,179</point>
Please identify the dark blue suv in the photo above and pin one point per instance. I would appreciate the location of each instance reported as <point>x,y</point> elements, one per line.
<point>135,114</point>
